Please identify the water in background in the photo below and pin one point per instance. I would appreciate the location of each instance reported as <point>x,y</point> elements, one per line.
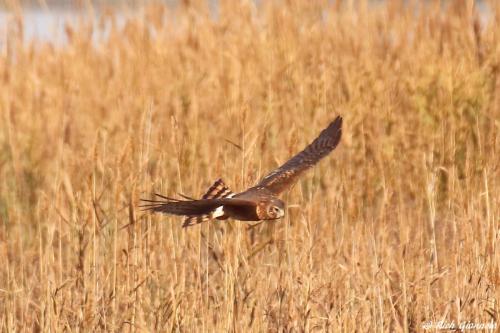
<point>48,25</point>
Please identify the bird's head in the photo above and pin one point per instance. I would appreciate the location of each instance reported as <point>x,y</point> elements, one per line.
<point>275,209</point>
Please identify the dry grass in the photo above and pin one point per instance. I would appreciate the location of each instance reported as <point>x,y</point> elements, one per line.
<point>400,225</point>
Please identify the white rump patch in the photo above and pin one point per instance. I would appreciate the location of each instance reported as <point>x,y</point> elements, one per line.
<point>219,211</point>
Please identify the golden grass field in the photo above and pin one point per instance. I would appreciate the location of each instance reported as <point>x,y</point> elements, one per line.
<point>397,227</point>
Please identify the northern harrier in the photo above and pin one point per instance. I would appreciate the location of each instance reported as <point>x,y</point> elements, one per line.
<point>256,203</point>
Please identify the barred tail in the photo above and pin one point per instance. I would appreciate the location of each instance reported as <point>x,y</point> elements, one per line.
<point>218,190</point>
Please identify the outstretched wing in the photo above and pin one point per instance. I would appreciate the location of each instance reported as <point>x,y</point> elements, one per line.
<point>283,177</point>
<point>190,207</point>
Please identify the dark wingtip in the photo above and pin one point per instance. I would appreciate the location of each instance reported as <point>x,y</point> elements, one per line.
<point>338,122</point>
<point>154,206</point>
<point>333,132</point>
<point>335,127</point>
<point>166,198</point>
<point>186,197</point>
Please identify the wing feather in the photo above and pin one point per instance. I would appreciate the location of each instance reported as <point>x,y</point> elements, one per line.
<point>218,190</point>
<point>191,207</point>
<point>283,177</point>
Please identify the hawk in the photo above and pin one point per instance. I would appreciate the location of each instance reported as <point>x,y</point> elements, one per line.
<point>257,203</point>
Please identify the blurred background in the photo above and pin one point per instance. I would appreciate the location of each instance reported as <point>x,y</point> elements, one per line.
<point>44,20</point>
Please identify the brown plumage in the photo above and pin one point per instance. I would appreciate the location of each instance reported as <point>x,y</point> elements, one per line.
<point>216,191</point>
<point>258,202</point>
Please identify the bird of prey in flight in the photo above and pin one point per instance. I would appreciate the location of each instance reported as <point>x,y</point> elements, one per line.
<point>257,203</point>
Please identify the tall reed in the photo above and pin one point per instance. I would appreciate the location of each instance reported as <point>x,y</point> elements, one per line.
<point>398,227</point>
